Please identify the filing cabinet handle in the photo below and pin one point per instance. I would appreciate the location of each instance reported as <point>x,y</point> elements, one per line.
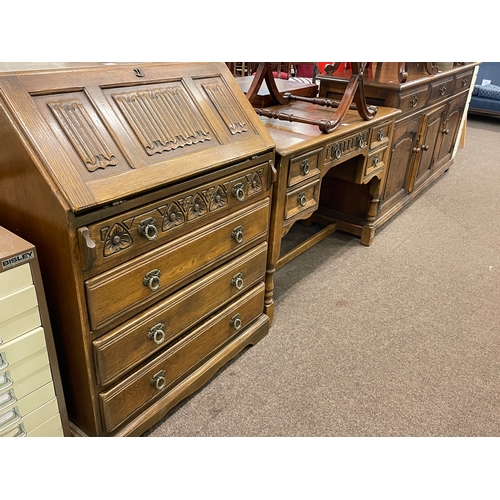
<point>8,382</point>
<point>12,399</point>
<point>237,234</point>
<point>157,333</point>
<point>147,228</point>
<point>237,281</point>
<point>302,199</point>
<point>380,134</point>
<point>239,191</point>
<point>3,361</point>
<point>152,280</point>
<point>236,322</point>
<point>304,167</point>
<point>15,418</point>
<point>158,380</point>
<point>20,432</point>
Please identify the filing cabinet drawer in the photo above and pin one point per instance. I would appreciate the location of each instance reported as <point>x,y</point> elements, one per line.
<point>160,375</point>
<point>413,99</point>
<point>441,90</point>
<point>15,279</point>
<point>51,427</point>
<point>21,347</point>
<point>119,293</point>
<point>304,166</point>
<point>18,325</point>
<point>120,350</point>
<point>29,365</point>
<point>148,227</point>
<point>24,406</point>
<point>20,387</point>
<point>380,135</point>
<point>302,199</point>
<point>17,302</point>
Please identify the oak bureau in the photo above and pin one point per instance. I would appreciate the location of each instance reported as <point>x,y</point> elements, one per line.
<point>146,190</point>
<point>311,164</point>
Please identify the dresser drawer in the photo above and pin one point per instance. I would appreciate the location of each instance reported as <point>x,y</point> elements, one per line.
<point>17,302</point>
<point>462,81</point>
<point>18,325</point>
<point>159,376</point>
<point>441,90</point>
<point>303,198</point>
<point>380,135</point>
<point>123,348</point>
<point>413,99</point>
<point>119,293</point>
<point>304,167</point>
<point>374,164</point>
<point>140,230</point>
<point>15,279</point>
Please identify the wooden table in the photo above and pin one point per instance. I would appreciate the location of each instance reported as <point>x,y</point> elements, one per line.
<point>314,168</point>
<point>264,98</point>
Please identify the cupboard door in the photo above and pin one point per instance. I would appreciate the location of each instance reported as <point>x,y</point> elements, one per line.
<point>402,159</point>
<point>451,127</point>
<point>427,146</point>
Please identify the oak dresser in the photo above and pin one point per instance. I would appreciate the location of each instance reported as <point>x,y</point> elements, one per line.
<point>146,190</point>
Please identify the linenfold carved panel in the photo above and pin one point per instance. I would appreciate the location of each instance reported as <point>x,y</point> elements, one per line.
<point>82,133</point>
<point>232,116</point>
<point>163,119</point>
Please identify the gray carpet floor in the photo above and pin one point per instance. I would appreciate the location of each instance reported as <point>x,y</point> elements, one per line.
<point>401,338</point>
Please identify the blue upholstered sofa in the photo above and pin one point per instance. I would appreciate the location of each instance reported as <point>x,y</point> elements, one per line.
<point>485,99</point>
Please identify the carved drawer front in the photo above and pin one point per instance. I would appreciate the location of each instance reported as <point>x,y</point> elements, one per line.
<point>140,230</point>
<point>412,100</point>
<point>380,135</point>
<point>119,293</point>
<point>441,90</point>
<point>304,167</point>
<point>160,375</point>
<point>125,347</point>
<point>302,199</point>
<point>375,163</point>
<point>343,148</point>
<point>462,81</point>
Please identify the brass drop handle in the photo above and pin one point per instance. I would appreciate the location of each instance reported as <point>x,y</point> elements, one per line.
<point>442,89</point>
<point>361,141</point>
<point>237,281</point>
<point>236,322</point>
<point>157,333</point>
<point>152,280</point>
<point>237,234</point>
<point>380,134</point>
<point>375,160</point>
<point>413,100</point>
<point>239,191</point>
<point>464,81</point>
<point>336,152</point>
<point>147,228</point>
<point>159,380</point>
<point>302,199</point>
<point>304,167</point>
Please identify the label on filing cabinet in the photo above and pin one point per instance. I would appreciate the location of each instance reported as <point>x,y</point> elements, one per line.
<point>18,259</point>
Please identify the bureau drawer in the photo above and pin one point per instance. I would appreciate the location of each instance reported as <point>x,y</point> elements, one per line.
<point>380,135</point>
<point>302,199</point>
<point>304,167</point>
<point>18,325</point>
<point>159,376</point>
<point>441,90</point>
<point>374,164</point>
<point>413,99</point>
<point>462,81</point>
<point>15,279</point>
<point>140,230</point>
<point>120,350</point>
<point>119,293</point>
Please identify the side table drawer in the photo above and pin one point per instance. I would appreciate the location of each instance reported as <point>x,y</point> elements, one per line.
<point>441,90</point>
<point>304,166</point>
<point>301,199</point>
<point>118,293</point>
<point>380,135</point>
<point>462,81</point>
<point>375,163</point>
<point>160,375</point>
<point>413,99</point>
<point>120,350</point>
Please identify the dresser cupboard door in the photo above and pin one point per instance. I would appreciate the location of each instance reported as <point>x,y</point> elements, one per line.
<point>402,159</point>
